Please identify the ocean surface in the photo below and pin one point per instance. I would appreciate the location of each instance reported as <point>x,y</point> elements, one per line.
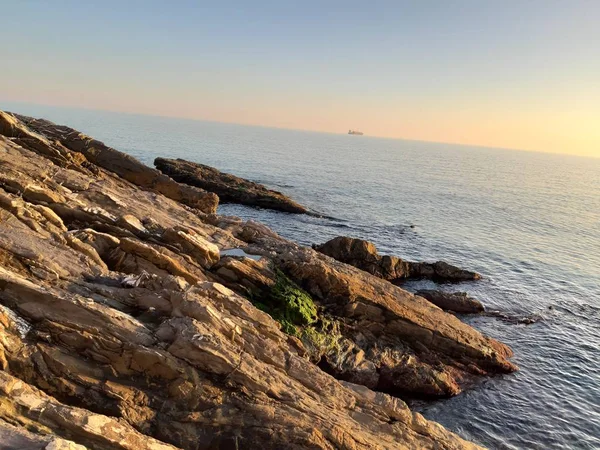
<point>529,222</point>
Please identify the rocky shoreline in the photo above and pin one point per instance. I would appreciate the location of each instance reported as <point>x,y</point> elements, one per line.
<point>126,323</point>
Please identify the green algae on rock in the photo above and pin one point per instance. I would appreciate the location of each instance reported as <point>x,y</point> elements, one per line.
<point>288,303</point>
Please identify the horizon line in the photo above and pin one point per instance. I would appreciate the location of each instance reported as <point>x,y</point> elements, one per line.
<point>365,135</point>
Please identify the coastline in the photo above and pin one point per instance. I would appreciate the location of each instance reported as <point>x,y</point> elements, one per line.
<point>151,260</point>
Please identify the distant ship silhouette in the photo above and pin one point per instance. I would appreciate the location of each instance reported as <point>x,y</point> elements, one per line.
<point>358,133</point>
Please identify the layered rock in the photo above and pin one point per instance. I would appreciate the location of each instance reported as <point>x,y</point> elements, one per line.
<point>123,325</point>
<point>386,338</point>
<point>16,437</point>
<point>363,254</point>
<point>458,302</point>
<point>31,408</point>
<point>55,141</point>
<point>229,188</point>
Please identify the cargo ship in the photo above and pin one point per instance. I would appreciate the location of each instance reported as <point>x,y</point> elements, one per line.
<point>356,132</point>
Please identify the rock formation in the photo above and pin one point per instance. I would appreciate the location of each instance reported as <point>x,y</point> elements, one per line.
<point>229,188</point>
<point>363,254</point>
<point>69,148</point>
<point>458,302</point>
<point>124,325</point>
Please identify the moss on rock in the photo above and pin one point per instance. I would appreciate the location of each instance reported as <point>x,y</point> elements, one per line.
<point>298,315</point>
<point>322,338</point>
<point>289,304</point>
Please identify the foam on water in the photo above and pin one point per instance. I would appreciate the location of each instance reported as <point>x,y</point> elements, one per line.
<point>530,223</point>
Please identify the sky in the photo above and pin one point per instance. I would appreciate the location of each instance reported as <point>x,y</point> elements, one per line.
<point>513,74</point>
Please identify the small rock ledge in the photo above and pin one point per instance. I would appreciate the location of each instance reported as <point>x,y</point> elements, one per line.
<point>229,188</point>
<point>458,302</point>
<point>363,254</point>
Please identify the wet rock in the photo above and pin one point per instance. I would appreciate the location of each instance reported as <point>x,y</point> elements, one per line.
<point>458,302</point>
<point>229,188</point>
<point>363,254</point>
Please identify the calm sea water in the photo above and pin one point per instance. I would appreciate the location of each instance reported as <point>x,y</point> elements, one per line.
<point>529,222</point>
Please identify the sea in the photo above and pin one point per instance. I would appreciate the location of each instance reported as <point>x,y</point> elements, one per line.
<point>528,222</point>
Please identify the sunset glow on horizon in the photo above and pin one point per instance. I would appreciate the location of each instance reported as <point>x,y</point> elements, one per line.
<point>511,75</point>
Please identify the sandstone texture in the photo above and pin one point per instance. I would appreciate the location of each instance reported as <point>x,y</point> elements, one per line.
<point>229,188</point>
<point>125,325</point>
<point>363,254</point>
<point>66,146</point>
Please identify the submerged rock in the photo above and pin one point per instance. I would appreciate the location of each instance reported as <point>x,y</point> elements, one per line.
<point>458,302</point>
<point>229,188</point>
<point>363,254</point>
<point>123,325</point>
<point>515,319</point>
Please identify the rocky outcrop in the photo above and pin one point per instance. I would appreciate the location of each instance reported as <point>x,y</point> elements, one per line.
<point>72,149</point>
<point>229,188</point>
<point>458,302</point>
<point>415,347</point>
<point>125,324</point>
<point>363,254</point>
<point>376,333</point>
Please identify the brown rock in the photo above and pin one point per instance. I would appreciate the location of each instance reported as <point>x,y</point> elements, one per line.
<point>383,340</point>
<point>229,188</point>
<point>36,194</point>
<point>36,409</point>
<point>18,438</point>
<point>386,313</point>
<point>458,302</point>
<point>363,254</point>
<point>191,243</point>
<point>48,138</point>
<point>18,132</point>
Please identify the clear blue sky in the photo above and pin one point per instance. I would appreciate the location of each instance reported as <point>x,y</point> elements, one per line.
<point>521,74</point>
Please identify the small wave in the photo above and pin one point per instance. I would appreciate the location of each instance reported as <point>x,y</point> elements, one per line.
<point>320,215</point>
<point>514,319</point>
<point>271,183</point>
<point>580,310</point>
<point>339,225</point>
